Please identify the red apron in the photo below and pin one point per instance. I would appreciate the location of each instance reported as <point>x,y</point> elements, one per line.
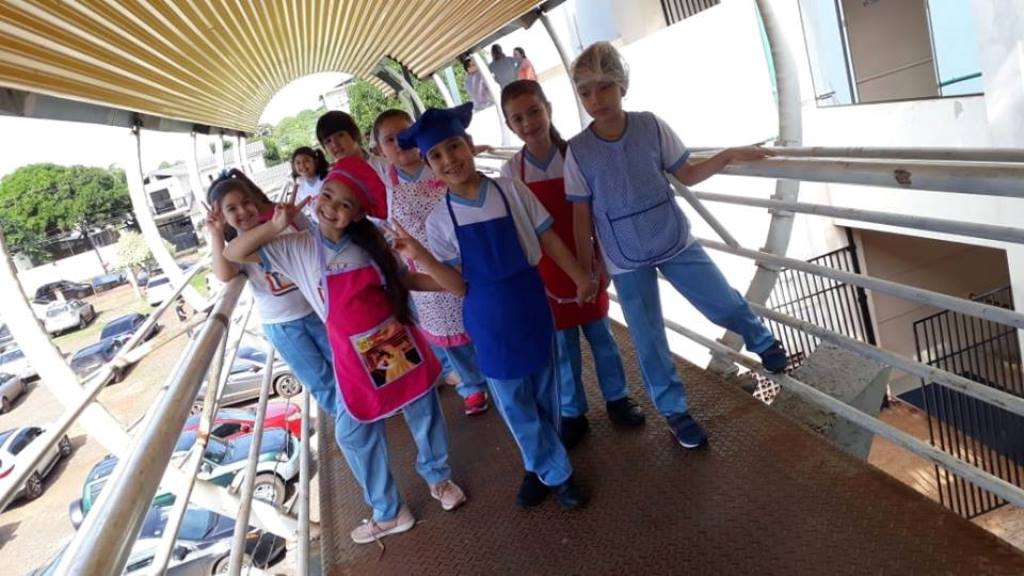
<point>560,288</point>
<point>381,365</point>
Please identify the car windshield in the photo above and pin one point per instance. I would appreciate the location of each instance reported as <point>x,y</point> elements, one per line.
<point>273,441</point>
<point>159,282</point>
<point>12,356</point>
<point>194,525</point>
<point>217,451</point>
<point>123,324</point>
<point>4,436</point>
<point>56,311</point>
<point>4,377</point>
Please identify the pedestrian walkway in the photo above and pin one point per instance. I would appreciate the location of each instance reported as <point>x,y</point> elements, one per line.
<point>765,497</point>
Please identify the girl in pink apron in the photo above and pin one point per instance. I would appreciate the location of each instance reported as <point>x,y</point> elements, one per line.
<point>539,165</point>
<point>490,234</point>
<point>413,192</point>
<point>382,362</point>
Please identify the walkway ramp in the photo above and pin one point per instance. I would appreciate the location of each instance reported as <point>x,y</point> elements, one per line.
<point>765,497</point>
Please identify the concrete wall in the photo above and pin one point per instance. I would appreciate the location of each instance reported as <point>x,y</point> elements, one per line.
<point>79,268</point>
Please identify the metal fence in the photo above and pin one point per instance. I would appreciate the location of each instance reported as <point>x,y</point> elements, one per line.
<point>989,437</point>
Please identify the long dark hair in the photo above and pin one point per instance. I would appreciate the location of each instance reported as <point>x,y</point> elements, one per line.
<point>532,88</point>
<point>319,160</point>
<point>365,235</point>
<point>234,180</point>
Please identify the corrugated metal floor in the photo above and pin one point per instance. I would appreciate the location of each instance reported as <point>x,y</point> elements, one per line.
<point>766,497</point>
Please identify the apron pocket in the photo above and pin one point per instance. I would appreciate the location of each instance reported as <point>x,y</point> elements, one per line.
<point>642,237</point>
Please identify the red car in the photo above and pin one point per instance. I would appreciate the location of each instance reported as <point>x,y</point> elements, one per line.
<point>230,423</point>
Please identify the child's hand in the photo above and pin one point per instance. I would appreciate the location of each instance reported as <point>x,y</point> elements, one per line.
<point>405,244</point>
<point>215,223</point>
<point>586,291</point>
<point>285,213</point>
<point>749,153</point>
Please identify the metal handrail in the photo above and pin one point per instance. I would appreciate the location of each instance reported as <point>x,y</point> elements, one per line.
<point>304,477</point>
<point>891,153</point>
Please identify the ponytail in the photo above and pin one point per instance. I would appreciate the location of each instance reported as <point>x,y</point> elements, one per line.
<point>365,235</point>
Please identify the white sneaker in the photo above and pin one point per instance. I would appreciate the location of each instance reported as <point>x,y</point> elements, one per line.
<point>448,494</point>
<point>371,530</point>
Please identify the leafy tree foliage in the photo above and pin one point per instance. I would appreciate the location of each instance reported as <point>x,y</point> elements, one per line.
<point>281,140</point>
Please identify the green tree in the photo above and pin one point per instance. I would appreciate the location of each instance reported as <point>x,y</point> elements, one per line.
<point>132,255</point>
<point>41,200</point>
<point>281,140</point>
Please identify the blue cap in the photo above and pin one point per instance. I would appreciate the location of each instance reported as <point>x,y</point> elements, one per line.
<point>436,125</point>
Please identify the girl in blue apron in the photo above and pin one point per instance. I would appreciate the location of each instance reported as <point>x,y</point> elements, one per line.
<point>382,363</point>
<point>539,165</point>
<point>492,232</point>
<point>615,175</point>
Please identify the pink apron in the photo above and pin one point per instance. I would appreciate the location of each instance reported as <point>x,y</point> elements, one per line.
<point>381,365</point>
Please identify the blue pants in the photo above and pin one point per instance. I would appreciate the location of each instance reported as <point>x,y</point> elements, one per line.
<point>462,360</point>
<point>698,279</point>
<point>611,376</point>
<point>303,345</point>
<point>365,448</point>
<point>530,408</point>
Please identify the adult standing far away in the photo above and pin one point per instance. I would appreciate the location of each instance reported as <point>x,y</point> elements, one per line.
<point>476,85</point>
<point>505,69</point>
<point>526,71</point>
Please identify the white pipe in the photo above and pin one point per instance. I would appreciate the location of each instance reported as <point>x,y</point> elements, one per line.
<point>249,480</point>
<point>241,158</point>
<point>453,87</point>
<point>218,153</point>
<point>304,477</point>
<point>444,91</point>
<point>564,56</point>
<point>495,91</point>
<point>884,153</point>
<point>195,179</point>
<point>695,203</point>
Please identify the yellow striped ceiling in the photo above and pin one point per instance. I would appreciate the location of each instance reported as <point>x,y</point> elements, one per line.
<point>218,62</point>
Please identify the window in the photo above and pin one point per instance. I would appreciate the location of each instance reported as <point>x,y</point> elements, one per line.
<point>676,10</point>
<point>863,51</point>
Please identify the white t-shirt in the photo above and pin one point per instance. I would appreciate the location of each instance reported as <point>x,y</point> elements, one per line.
<point>278,299</point>
<point>535,169</point>
<point>309,189</point>
<point>529,215</point>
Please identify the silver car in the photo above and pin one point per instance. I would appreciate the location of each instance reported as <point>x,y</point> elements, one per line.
<point>11,387</point>
<point>66,316</point>
<point>12,442</point>
<point>13,361</point>
<point>246,376</point>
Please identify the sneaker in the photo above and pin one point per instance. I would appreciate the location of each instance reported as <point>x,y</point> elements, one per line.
<point>688,433</point>
<point>371,530</point>
<point>475,403</point>
<point>532,491</point>
<point>573,430</point>
<point>448,494</point>
<point>569,496</point>
<point>775,359</point>
<point>625,412</point>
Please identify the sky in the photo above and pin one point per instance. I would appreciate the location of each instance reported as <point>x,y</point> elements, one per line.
<point>29,141</point>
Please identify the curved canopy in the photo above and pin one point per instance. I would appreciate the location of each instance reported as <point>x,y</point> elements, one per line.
<point>218,62</point>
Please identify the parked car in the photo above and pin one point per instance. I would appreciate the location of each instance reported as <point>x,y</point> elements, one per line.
<point>230,423</point>
<point>92,357</point>
<point>158,289</point>
<point>13,361</point>
<point>70,290</point>
<point>108,281</point>
<point>65,316</point>
<point>223,464</point>
<point>12,386</point>
<point>14,441</point>
<point>123,327</point>
<point>246,376</point>
<point>203,546</point>
<point>5,336</point>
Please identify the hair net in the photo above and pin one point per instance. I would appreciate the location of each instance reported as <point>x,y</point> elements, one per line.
<point>600,62</point>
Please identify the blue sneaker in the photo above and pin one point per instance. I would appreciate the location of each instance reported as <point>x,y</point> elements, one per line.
<point>775,358</point>
<point>688,433</point>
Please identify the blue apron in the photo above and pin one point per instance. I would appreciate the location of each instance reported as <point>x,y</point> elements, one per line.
<point>505,310</point>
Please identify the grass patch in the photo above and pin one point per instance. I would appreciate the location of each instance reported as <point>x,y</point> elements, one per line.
<point>108,305</point>
<point>199,283</point>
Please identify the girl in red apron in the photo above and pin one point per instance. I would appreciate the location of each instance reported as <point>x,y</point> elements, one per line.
<point>490,234</point>
<point>413,192</point>
<point>539,165</point>
<point>382,362</point>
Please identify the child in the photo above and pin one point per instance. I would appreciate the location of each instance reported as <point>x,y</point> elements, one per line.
<point>347,272</point>
<point>308,170</point>
<point>539,165</point>
<point>339,134</point>
<point>413,194</point>
<point>614,173</point>
<point>490,233</point>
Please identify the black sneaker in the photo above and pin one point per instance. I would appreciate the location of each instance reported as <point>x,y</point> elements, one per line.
<point>775,359</point>
<point>569,496</point>
<point>573,430</point>
<point>625,412</point>
<point>532,491</point>
<point>688,433</point>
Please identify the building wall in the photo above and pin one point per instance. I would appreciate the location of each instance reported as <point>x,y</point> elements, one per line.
<point>78,268</point>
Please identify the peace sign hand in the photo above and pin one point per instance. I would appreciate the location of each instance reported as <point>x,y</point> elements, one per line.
<point>405,244</point>
<point>285,213</point>
<point>215,222</point>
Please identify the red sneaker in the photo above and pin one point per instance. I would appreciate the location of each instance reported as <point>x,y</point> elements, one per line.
<point>475,403</point>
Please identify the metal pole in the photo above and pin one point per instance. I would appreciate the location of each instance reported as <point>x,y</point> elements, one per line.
<point>249,480</point>
<point>495,91</point>
<point>218,153</point>
<point>453,87</point>
<point>969,229</point>
<point>195,179</point>
<point>241,158</point>
<point>304,474</point>
<point>144,216</point>
<point>563,54</point>
<point>885,153</point>
<point>790,134</point>
<point>444,91</point>
<point>696,204</point>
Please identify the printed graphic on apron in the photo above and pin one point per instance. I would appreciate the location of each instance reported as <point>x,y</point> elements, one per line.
<point>387,352</point>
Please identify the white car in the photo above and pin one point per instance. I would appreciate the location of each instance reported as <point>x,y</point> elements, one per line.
<point>14,362</point>
<point>14,441</point>
<point>11,387</point>
<point>65,316</point>
<point>158,289</point>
